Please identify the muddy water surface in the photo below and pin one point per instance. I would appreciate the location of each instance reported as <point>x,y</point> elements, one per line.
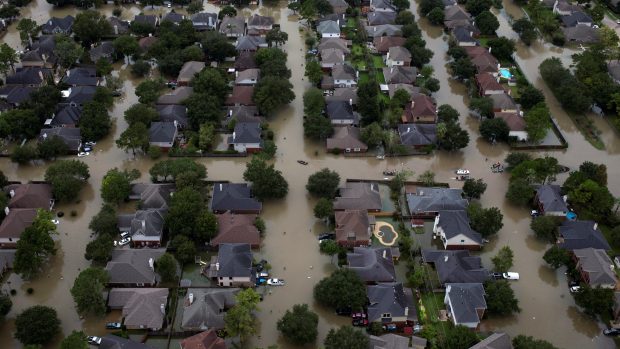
<point>290,245</point>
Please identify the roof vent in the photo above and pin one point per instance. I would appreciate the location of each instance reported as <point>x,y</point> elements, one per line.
<point>152,264</point>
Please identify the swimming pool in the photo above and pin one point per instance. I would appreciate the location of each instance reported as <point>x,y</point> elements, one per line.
<point>505,73</point>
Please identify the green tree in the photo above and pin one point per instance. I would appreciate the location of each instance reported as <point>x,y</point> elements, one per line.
<point>134,137</point>
<point>211,82</point>
<point>18,123</point>
<point>457,337</point>
<point>502,48</point>
<point>340,290</point>
<point>372,134</point>
<point>126,45</point>
<point>529,342</point>
<point>27,29</point>
<point>24,154</point>
<point>240,320</point>
<point>474,188</point>
<point>51,148</point>
<point>272,93</point>
<point>166,266</point>
<point>345,337</point>
<point>170,170</point>
<point>206,137</point>
<point>537,123</point>
<point>87,291</point>
<point>76,340</point>
<point>148,91</point>
<point>324,208</point>
<point>90,26</point>
<point>318,127</point>
<point>299,325</point>
<point>475,7</point>
<point>556,257</point>
<point>463,68</point>
<point>436,16</point>
<point>526,30</point>
<point>516,158</point>
<point>368,101</point>
<point>454,137</point>
<point>314,102</point>
<point>105,221</point>
<point>530,96</point>
<point>545,227</point>
<point>184,249</point>
<point>520,192</point>
<point>486,221</point>
<point>595,301</point>
<point>195,7</point>
<point>276,36</point>
<point>142,113</point>
<point>494,130</point>
<point>67,178</point>
<point>9,12</point>
<point>401,4</point>
<point>35,245</point>
<point>184,213</point>
<point>329,247</point>
<point>427,178</point>
<point>267,182</point>
<point>37,325</point>
<point>591,200</point>
<point>202,108</point>
<point>140,68</point>
<point>67,51</point>
<point>313,72</point>
<point>8,58</point>
<point>95,121</point>
<point>100,249</point>
<point>217,47</point>
<point>503,260</point>
<point>500,298</point>
<point>103,67</point>
<point>5,304</point>
<point>446,113</point>
<point>418,277</point>
<point>483,106</point>
<point>116,185</point>
<point>227,11</point>
<point>323,183</point>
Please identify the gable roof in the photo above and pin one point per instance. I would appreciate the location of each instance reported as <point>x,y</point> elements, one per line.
<point>260,21</point>
<point>456,266</point>
<point>337,43</point>
<point>465,299</point>
<point>576,18</point>
<point>190,69</point>
<point>16,222</point>
<point>372,264</point>
<point>332,56</point>
<point>382,4</point>
<point>390,298</point>
<point>346,137</point>
<point>172,113</point>
<point>352,224</point>
<point>488,82</point>
<point>142,307</point>
<point>581,33</point>
<point>328,27</point>
<point>29,76</point>
<point>176,96</point>
<point>417,134</point>
<point>132,266</point>
<point>340,110</point>
<point>203,340</point>
<point>105,49</point>
<point>503,101</point>
<point>435,199</point>
<point>551,198</point>
<point>236,228</point>
<point>248,74</point>
<point>147,224</point>
<point>581,234</point>
<point>17,94</point>
<point>455,223</point>
<point>119,26</point>
<point>146,19</point>
<point>359,196</point>
<point>394,341</point>
<point>514,121</point>
<point>485,62</point>
<point>71,136</point>
<point>241,95</point>
<point>57,24</point>
<point>381,17</point>
<point>29,195</point>
<point>420,106</point>
<point>455,12</point>
<point>246,132</point>
<point>383,43</point>
<point>152,195</point>
<point>245,60</point>
<point>173,17</point>
<point>162,131</point>
<point>598,265</point>
<point>81,76</point>
<point>344,72</point>
<point>232,25</point>
<point>410,89</point>
<point>243,113</point>
<point>204,20</point>
<point>208,307</point>
<point>233,197</point>
<point>346,94</point>
<point>81,94</point>
<point>400,75</point>
<point>111,341</point>
<point>613,67</point>
<point>235,260</point>
<point>399,53</point>
<point>497,340</point>
<point>375,31</point>
<point>463,34</point>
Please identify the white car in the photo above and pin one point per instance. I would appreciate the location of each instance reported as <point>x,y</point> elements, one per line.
<point>511,276</point>
<point>275,282</point>
<point>55,221</point>
<point>83,154</point>
<point>462,172</point>
<point>94,340</point>
<point>575,289</point>
<point>124,241</point>
<point>125,234</point>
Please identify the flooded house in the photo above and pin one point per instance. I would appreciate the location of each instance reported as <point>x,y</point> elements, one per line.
<point>372,265</point>
<point>111,341</point>
<point>489,85</point>
<point>381,18</point>
<point>203,340</point>
<point>70,136</point>
<point>151,195</point>
<point>453,228</point>
<point>346,139</point>
<point>232,267</point>
<point>236,229</point>
<point>329,29</point>
<point>465,304</point>
<point>426,202</point>
<point>232,27</point>
<point>142,308</point>
<point>235,198</point>
<point>56,25</point>
<point>246,137</point>
<point>359,196</point>
<point>172,113</point>
<point>146,227</point>
<point>421,109</point>
<point>353,228</point>
<point>341,113</point>
<point>82,76</point>
<point>176,96</point>
<point>595,268</point>
<point>383,43</point>
<point>574,235</point>
<point>205,308</point>
<point>241,95</point>
<point>204,21</point>
<point>550,201</point>
<point>188,71</point>
<point>394,341</point>
<point>497,340</point>
<point>416,136</point>
<point>456,266</point>
<point>398,56</point>
<point>133,267</point>
<point>398,74</point>
<point>163,134</point>
<point>248,77</point>
<point>259,25</point>
<point>391,303</point>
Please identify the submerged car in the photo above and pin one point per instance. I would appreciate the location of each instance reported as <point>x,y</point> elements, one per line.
<point>124,241</point>
<point>83,154</point>
<point>113,325</point>
<point>275,282</point>
<point>511,276</point>
<point>94,340</point>
<point>611,331</point>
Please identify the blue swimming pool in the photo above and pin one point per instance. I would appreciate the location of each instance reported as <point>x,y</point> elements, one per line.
<point>505,73</point>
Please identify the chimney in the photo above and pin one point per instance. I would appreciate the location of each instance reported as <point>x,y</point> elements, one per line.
<point>391,70</point>
<point>220,186</point>
<point>115,29</point>
<point>449,286</point>
<point>229,112</point>
<point>384,254</point>
<point>408,129</point>
<point>374,28</point>
<point>234,136</point>
<point>350,101</point>
<point>6,211</point>
<point>152,264</point>
<point>338,22</point>
<point>143,224</point>
<point>176,124</point>
<point>445,258</point>
<point>406,311</point>
<point>595,226</point>
<point>191,298</point>
<point>162,307</point>
<point>236,74</point>
<point>12,193</point>
<point>565,197</point>
<point>217,266</point>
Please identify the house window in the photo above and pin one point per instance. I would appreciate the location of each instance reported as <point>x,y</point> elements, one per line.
<point>356,149</point>
<point>230,278</point>
<point>348,150</point>
<point>386,315</point>
<point>140,284</point>
<point>462,240</point>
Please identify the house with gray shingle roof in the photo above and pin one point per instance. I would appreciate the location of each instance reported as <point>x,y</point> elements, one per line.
<point>133,267</point>
<point>152,195</point>
<point>172,113</point>
<point>82,76</point>
<point>246,138</point>
<point>162,134</point>
<point>581,34</point>
<point>382,6</point>
<point>149,20</point>
<point>188,71</point>
<point>119,26</point>
<point>341,113</point>
<point>410,89</point>
<point>338,6</point>
<point>464,36</point>
<point>336,43</point>
<point>173,17</point>
<point>16,95</point>
<point>427,202</point>
<point>465,304</point>
<point>595,267</point>
<point>29,76</point>
<point>390,303</point>
<point>613,68</point>
<point>456,266</point>
<point>453,13</point>
<point>248,77</point>
<point>104,50</point>
<point>398,55</point>
<point>80,95</point>
<point>359,196</point>
<point>344,75</point>
<point>205,308</point>
<point>331,57</point>
<point>111,341</point>
<point>146,227</point>
<point>234,197</point>
<point>375,31</point>
<point>503,103</point>
<point>232,267</point>
<point>550,201</point>
<point>394,341</point>
<point>176,96</point>
<point>416,136</point>
<point>576,18</point>
<point>141,307</point>
<point>400,75</point>
<point>353,228</point>
<point>574,235</point>
<point>329,29</point>
<point>259,25</point>
<point>497,340</point>
<point>346,139</point>
<point>70,136</point>
<point>381,17</point>
<point>204,21</point>
<point>372,265</point>
<point>14,224</point>
<point>343,94</point>
<point>56,25</point>
<point>232,27</point>
<point>453,228</point>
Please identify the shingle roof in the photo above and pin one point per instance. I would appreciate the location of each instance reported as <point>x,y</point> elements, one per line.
<point>598,265</point>
<point>503,101</point>
<point>581,234</point>
<point>328,27</point>
<point>190,69</point>
<point>131,266</point>
<point>17,94</point>
<point>142,307</point>
<point>337,43</point>
<point>236,228</point>
<point>455,223</point>
<point>173,17</point>
<point>208,307</point>
<point>246,132</point>
<point>346,94</point>
<point>241,95</point>
<point>346,137</point>
<point>381,17</point>
<point>64,24</point>
<point>147,224</point>
<point>250,43</point>
<point>498,340</point>
<point>344,72</point>
<point>172,113</point>
<point>162,131</point>
<point>232,25</point>
<point>455,12</point>
<point>152,195</point>
<point>487,81</point>
<point>81,94</point>
<point>359,195</point>
<point>551,198</point>
<point>203,340</point>
<point>332,56</point>
<point>576,18</point>
<point>146,19</point>
<point>581,33</point>
<point>243,113</point>
<point>199,20</point>
<point>105,49</point>
<point>410,89</point>
<point>375,31</point>
<point>29,76</point>
<point>390,298</point>
<point>465,298</point>
<point>245,60</point>
<point>262,21</point>
<point>400,75</point>
<point>81,76</point>
<point>235,260</point>
<point>435,199</point>
<point>456,266</point>
<point>71,136</point>
<point>391,341</point>
<point>463,34</point>
<point>417,134</point>
<point>383,43</point>
<point>119,26</point>
<point>176,96</point>
<point>248,74</point>
<point>398,53</point>
<point>372,264</point>
<point>16,222</point>
<point>30,195</point>
<point>613,67</point>
<point>340,110</point>
<point>352,224</point>
<point>514,121</point>
<point>233,197</point>
<point>113,342</point>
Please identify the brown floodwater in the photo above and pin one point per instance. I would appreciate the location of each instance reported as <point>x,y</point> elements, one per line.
<point>548,311</point>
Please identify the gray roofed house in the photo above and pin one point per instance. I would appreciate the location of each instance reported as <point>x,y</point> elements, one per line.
<point>331,57</point>
<point>497,340</point>
<point>204,21</point>
<point>259,25</point>
<point>104,49</point>
<point>232,27</point>
<point>133,267</point>
<point>80,95</point>
<point>455,232</point>
<point>381,17</point>
<point>232,267</point>
<point>247,77</point>
<point>353,228</point>
<point>30,76</point>
<point>464,36</point>
<point>339,6</point>
<point>503,103</point>
<point>176,96</point>
<point>172,113</point>
<point>581,34</point>
<point>347,139</point>
<point>359,196</point>
<point>146,227</point>
<point>205,308</point>
<point>15,95</point>
<point>375,31</point>
<point>84,76</point>
<point>56,25</point>
<point>613,68</point>
<point>390,303</point>
<point>152,195</point>
<point>398,55</point>
<point>465,303</point>
<point>581,234</point>
<point>250,43</point>
<point>341,113</point>
<point>550,201</point>
<point>188,71</point>
<point>336,43</point>
<point>242,113</point>
<point>372,265</point>
<point>344,75</point>
<point>596,268</point>
<point>119,26</point>
<point>382,5</point>
<point>246,137</point>
<point>417,135</point>
<point>234,197</point>
<point>71,136</point>
<point>141,307</point>
<point>427,202</point>
<point>412,90</point>
<point>394,341</point>
<point>150,20</point>
<point>456,266</point>
<point>162,134</point>
<point>346,94</point>
<point>245,60</point>
<point>452,13</point>
<point>173,17</point>
<point>111,341</point>
<point>329,29</point>
<point>576,18</point>
<point>400,75</point>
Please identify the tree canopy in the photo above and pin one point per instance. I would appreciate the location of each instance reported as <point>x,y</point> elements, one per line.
<point>67,178</point>
<point>240,319</point>
<point>35,245</point>
<point>299,325</point>
<point>166,266</point>
<point>545,227</point>
<point>595,301</point>
<point>76,340</point>
<point>500,298</point>
<point>37,325</point>
<point>116,185</point>
<point>90,26</point>
<point>272,93</point>
<point>486,221</point>
<point>346,337</point>
<point>529,342</point>
<point>503,260</point>
<point>105,221</point>
<point>87,291</point>
<point>267,182</point>
<point>474,188</point>
<point>342,289</point>
<point>323,183</point>
<point>95,121</point>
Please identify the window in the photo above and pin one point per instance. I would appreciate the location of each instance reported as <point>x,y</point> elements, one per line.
<point>386,315</point>
<point>462,240</point>
<point>230,278</point>
<point>356,149</point>
<point>348,150</point>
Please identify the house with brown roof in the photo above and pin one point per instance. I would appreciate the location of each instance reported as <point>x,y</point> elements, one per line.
<point>346,139</point>
<point>384,43</point>
<point>489,85</point>
<point>241,95</point>
<point>142,308</point>
<point>400,75</point>
<point>236,229</point>
<point>516,124</point>
<point>338,6</point>
<point>336,43</point>
<point>30,195</point>
<point>331,57</point>
<point>595,267</point>
<point>147,42</point>
<point>14,224</point>
<point>504,103</point>
<point>203,340</point>
<point>359,196</point>
<point>188,71</point>
<point>248,77</point>
<point>483,60</point>
<point>245,60</point>
<point>343,94</point>
<point>398,55</point>
<point>133,267</point>
<point>259,25</point>
<point>422,109</point>
<point>354,228</point>
<point>410,89</point>
<point>176,96</point>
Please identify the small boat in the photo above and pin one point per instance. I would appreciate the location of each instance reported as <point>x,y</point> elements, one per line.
<point>302,162</point>
<point>389,173</point>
